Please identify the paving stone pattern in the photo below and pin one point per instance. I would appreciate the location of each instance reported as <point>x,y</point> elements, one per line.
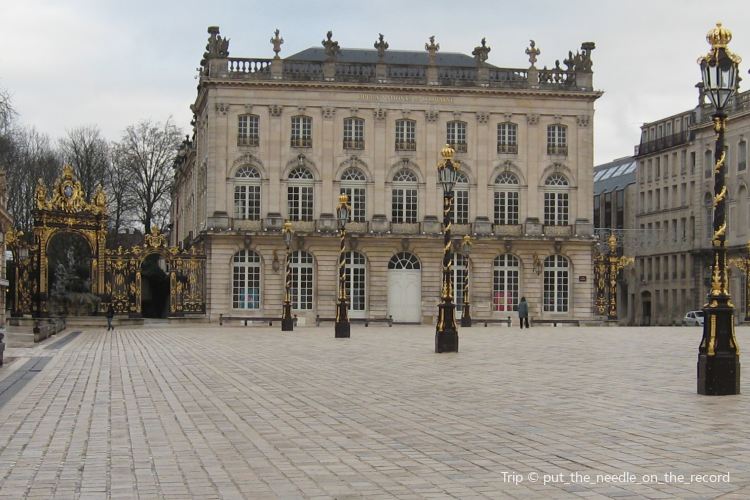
<point>255,413</point>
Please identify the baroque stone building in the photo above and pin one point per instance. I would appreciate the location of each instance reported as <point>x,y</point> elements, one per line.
<point>674,212</point>
<point>278,139</point>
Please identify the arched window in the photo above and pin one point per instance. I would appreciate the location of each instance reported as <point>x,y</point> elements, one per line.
<point>246,280</point>
<point>404,197</point>
<point>507,138</point>
<point>461,199</point>
<point>460,272</point>
<point>406,135</point>
<point>557,140</point>
<point>247,193</point>
<point>300,194</point>
<point>404,260</point>
<point>355,271</point>
<point>556,200</point>
<point>556,284</point>
<point>301,132</point>
<point>506,198</point>
<point>506,272</point>
<point>354,133</point>
<point>456,135</point>
<point>353,184</point>
<point>302,267</point>
<point>248,130</point>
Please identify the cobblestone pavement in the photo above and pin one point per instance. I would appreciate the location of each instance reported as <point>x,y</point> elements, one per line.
<point>255,413</point>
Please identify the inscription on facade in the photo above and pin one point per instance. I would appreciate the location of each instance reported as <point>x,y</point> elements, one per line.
<point>411,99</point>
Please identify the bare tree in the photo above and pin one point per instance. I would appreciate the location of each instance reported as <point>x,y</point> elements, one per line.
<point>147,152</point>
<point>7,112</point>
<point>87,152</point>
<point>117,184</point>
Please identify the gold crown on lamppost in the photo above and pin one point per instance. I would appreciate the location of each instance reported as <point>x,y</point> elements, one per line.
<point>447,152</point>
<point>343,199</point>
<point>287,227</point>
<point>719,37</point>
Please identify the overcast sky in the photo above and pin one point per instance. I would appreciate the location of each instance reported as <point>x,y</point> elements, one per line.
<point>68,63</point>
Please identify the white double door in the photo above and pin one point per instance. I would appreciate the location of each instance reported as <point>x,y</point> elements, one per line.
<point>405,294</point>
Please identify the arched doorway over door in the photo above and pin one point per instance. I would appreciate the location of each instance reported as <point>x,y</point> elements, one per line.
<point>405,288</point>
<point>154,287</point>
<point>645,308</point>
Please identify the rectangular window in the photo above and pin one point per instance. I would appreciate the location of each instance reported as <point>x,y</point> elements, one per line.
<point>507,138</point>
<point>708,164</point>
<point>302,287</point>
<point>620,209</point>
<point>461,206</point>
<point>356,201</point>
<point>597,211</point>
<point>248,130</point>
<point>742,156</point>
<point>247,202</point>
<point>692,163</point>
<point>657,168</point>
<point>557,142</point>
<point>456,135</point>
<point>506,207</point>
<point>300,203</point>
<point>246,287</point>
<point>354,133</point>
<point>607,210</point>
<point>683,162</point>
<point>301,132</point>
<point>406,135</point>
<point>556,209</point>
<point>674,229</point>
<point>404,205</point>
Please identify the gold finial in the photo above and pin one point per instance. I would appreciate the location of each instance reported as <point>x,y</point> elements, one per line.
<point>719,37</point>
<point>612,240</point>
<point>447,152</point>
<point>287,227</point>
<point>343,199</point>
<point>68,172</point>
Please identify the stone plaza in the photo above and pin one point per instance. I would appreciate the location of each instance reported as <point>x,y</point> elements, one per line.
<point>250,412</point>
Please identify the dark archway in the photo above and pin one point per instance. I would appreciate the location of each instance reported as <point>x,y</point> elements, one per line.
<point>154,287</point>
<point>69,259</point>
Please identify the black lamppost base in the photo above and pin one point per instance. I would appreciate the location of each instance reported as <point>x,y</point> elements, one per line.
<point>465,317</point>
<point>287,324</point>
<point>342,330</point>
<point>719,375</point>
<point>446,341</point>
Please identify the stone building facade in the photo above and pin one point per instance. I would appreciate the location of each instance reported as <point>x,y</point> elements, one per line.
<point>674,212</point>
<point>280,138</point>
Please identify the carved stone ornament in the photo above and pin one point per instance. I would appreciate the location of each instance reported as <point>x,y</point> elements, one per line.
<point>456,115</point>
<point>405,244</point>
<point>331,46</point>
<point>508,245</point>
<point>583,120</point>
<point>381,46</point>
<point>276,41</point>
<point>532,118</point>
<point>557,118</point>
<point>275,110</point>
<point>481,52</point>
<point>431,116</point>
<point>532,52</point>
<point>217,47</point>
<point>301,110</point>
<point>508,117</point>
<point>380,113</point>
<point>353,111</point>
<point>222,108</point>
<point>328,112</point>
<point>248,108</point>
<point>432,49</point>
<point>405,113</point>
<point>558,246</point>
<point>483,117</point>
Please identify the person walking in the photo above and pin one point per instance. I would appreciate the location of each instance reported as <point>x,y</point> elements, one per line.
<point>523,312</point>
<point>110,315</point>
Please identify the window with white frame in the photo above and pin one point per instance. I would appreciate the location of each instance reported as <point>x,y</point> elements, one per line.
<point>246,280</point>
<point>354,133</point>
<point>556,200</point>
<point>556,284</point>
<point>404,197</point>
<point>301,132</point>
<point>506,198</point>
<point>461,199</point>
<point>456,135</point>
<point>354,185</point>
<point>557,140</point>
<point>300,195</point>
<point>355,272</point>
<point>460,273</point>
<point>507,138</point>
<point>505,280</point>
<point>302,269</point>
<point>406,135</point>
<point>247,193</point>
<point>248,130</point>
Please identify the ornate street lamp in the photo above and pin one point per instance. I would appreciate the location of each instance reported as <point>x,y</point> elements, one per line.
<point>466,312</point>
<point>446,333</point>
<point>718,354</point>
<point>743,264</point>
<point>343,211</point>
<point>287,322</point>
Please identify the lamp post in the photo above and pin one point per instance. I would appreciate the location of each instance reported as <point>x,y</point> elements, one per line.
<point>466,312</point>
<point>343,210</point>
<point>446,333</point>
<point>718,354</point>
<point>743,264</point>
<point>287,322</point>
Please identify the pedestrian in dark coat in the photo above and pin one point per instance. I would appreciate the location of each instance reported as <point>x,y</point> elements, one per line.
<point>523,312</point>
<point>110,315</point>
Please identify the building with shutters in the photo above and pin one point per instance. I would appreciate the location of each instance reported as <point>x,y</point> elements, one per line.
<point>279,138</point>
